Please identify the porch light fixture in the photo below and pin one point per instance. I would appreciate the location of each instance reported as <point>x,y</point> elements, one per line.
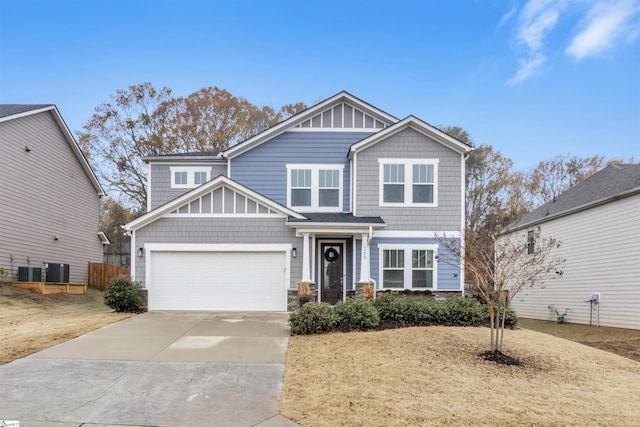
<point>140,252</point>
<point>294,252</point>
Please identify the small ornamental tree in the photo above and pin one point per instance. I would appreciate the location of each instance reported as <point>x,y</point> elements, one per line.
<point>501,274</point>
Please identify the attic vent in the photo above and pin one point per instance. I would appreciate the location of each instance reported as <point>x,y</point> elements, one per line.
<point>342,116</point>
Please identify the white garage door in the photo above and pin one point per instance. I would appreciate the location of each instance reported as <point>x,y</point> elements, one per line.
<point>233,281</point>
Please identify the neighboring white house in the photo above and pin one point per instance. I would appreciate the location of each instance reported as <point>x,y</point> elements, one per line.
<point>598,223</point>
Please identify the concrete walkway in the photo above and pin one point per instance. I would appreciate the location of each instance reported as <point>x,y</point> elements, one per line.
<point>155,369</point>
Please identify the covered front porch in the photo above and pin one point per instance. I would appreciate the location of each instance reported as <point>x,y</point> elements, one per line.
<point>335,254</point>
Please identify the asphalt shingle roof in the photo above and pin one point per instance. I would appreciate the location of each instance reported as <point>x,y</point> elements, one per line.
<point>609,184</point>
<point>7,110</point>
<point>338,217</point>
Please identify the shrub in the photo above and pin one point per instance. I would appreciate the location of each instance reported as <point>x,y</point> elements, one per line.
<point>510,321</point>
<point>353,314</point>
<point>124,295</point>
<point>407,311</point>
<point>311,318</point>
<point>410,312</point>
<point>463,312</point>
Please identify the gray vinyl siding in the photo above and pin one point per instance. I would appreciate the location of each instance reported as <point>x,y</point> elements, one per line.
<point>45,193</point>
<point>160,190</point>
<point>219,231</point>
<point>264,170</point>
<point>409,144</point>
<point>601,246</point>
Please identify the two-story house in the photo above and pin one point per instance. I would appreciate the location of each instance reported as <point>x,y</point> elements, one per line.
<point>49,198</point>
<point>340,195</point>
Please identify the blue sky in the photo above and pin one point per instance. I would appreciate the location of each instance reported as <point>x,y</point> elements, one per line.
<point>532,78</point>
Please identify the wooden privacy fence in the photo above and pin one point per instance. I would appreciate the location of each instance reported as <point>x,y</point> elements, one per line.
<point>101,274</point>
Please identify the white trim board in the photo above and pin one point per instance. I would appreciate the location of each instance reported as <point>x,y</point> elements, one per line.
<point>417,234</point>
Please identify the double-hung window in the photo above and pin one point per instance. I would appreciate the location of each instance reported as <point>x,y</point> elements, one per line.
<point>408,182</point>
<point>189,176</point>
<point>408,266</point>
<point>300,187</point>
<point>315,188</point>
<point>531,242</point>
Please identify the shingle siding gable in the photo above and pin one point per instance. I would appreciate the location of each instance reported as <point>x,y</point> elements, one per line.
<point>411,144</point>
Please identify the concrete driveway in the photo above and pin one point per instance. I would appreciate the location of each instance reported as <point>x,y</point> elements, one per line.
<point>155,369</point>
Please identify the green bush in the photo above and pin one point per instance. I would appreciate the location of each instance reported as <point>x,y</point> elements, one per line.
<point>511,320</point>
<point>407,311</point>
<point>359,314</point>
<point>124,295</point>
<point>463,312</point>
<point>312,318</point>
<point>454,312</point>
<point>353,314</point>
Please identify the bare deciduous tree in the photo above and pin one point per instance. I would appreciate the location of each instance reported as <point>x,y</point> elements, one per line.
<point>142,121</point>
<point>516,263</point>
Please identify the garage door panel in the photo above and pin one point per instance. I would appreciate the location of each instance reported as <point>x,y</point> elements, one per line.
<point>218,281</point>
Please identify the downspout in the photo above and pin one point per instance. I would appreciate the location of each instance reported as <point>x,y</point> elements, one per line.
<point>369,239</point>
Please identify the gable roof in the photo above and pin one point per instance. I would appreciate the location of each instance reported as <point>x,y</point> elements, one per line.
<point>7,110</point>
<point>190,155</point>
<point>15,111</point>
<point>305,115</point>
<point>417,125</point>
<point>611,183</point>
<point>197,192</point>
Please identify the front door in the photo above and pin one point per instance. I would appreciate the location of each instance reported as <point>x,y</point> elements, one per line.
<point>332,263</point>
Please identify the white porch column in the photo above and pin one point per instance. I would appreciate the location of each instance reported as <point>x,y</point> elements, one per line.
<point>306,275</point>
<point>365,272</point>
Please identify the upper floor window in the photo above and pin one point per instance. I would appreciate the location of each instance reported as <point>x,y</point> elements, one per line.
<point>189,176</point>
<point>315,188</point>
<point>408,182</point>
<point>531,242</point>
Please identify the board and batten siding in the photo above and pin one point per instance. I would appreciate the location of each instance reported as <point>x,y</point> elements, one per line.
<point>264,169</point>
<point>219,231</point>
<point>601,246</point>
<point>410,144</point>
<point>160,191</point>
<point>45,193</point>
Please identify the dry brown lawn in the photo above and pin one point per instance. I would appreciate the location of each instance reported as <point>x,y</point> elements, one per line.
<point>624,342</point>
<point>30,322</point>
<point>433,376</point>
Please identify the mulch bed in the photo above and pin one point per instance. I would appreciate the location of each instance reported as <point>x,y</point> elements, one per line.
<point>500,358</point>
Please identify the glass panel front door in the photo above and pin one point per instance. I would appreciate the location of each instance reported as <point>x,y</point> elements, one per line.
<point>332,272</point>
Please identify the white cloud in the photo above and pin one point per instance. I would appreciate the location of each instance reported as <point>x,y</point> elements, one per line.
<point>507,16</point>
<point>536,20</point>
<point>606,25</point>
<point>527,68</point>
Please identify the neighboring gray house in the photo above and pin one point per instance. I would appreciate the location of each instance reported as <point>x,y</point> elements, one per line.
<point>49,197</point>
<point>598,223</point>
<point>339,195</point>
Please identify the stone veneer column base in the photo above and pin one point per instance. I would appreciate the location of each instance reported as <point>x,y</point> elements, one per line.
<point>293,298</point>
<point>365,290</point>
